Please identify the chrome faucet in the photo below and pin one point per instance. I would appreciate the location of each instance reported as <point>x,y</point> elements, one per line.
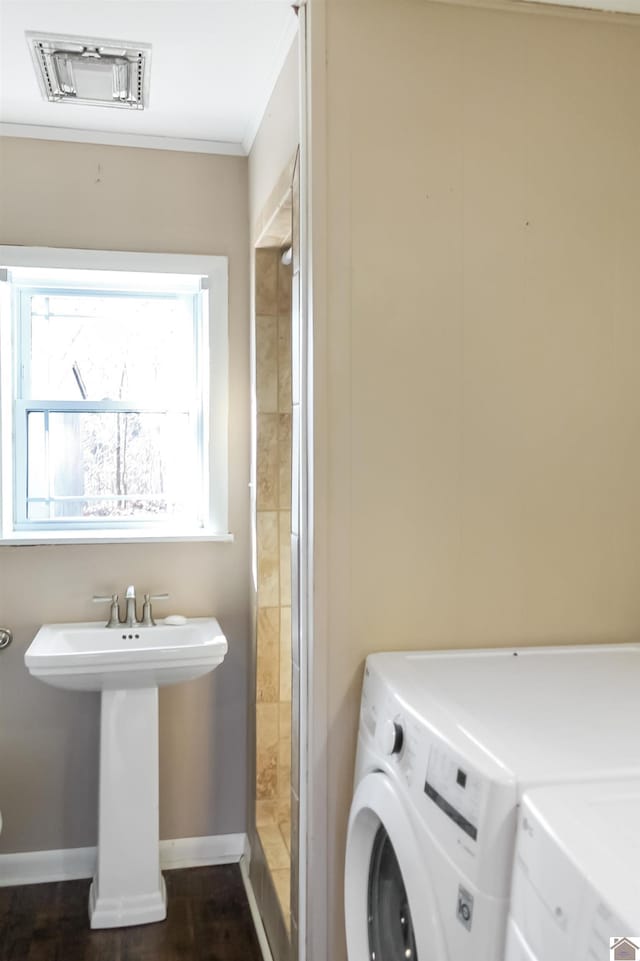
<point>130,618</point>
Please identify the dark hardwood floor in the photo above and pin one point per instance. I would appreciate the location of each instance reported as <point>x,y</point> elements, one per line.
<point>208,919</point>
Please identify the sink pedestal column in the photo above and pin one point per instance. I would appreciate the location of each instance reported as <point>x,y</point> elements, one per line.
<point>128,887</point>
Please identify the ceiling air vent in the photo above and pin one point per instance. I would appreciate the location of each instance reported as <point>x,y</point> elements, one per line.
<point>107,73</point>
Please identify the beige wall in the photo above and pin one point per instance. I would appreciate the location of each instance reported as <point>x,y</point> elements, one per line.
<point>87,196</point>
<point>275,143</point>
<point>478,413</point>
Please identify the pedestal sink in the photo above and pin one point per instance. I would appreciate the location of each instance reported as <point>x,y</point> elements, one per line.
<point>127,665</point>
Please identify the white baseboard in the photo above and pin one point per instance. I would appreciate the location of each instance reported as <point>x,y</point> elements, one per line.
<point>70,864</point>
<point>34,867</point>
<point>193,852</point>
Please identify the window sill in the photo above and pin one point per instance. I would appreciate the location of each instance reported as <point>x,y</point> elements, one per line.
<point>32,538</point>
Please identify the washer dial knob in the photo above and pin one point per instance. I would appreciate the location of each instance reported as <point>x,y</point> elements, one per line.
<point>391,737</point>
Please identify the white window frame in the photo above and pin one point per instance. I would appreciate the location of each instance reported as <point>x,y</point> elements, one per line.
<point>212,356</point>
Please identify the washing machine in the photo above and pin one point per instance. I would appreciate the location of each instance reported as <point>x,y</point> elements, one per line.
<point>447,744</point>
<point>576,875</point>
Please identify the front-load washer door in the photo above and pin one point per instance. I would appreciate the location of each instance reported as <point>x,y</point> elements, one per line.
<point>390,908</point>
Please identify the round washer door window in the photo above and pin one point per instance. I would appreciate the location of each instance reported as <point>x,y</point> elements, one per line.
<point>385,876</point>
<point>391,934</point>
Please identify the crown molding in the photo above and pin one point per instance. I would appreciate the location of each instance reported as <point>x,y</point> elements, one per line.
<point>69,134</point>
<point>605,11</point>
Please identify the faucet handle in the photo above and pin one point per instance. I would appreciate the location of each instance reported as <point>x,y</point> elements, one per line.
<point>147,616</point>
<point>114,616</point>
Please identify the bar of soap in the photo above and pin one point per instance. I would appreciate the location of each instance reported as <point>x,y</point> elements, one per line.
<point>175,620</point>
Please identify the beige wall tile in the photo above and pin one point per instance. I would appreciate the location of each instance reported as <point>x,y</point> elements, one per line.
<point>284,720</point>
<point>270,907</point>
<point>274,847</point>
<point>284,362</point>
<point>284,766</point>
<point>266,751</point>
<point>285,830</point>
<point>284,520</point>
<point>282,881</point>
<point>285,662</point>
<point>267,281</point>
<point>264,164</point>
<point>267,364</point>
<point>268,559</point>
<point>269,468</point>
<point>284,287</point>
<point>273,361</point>
<point>273,683</point>
<point>283,809</point>
<point>268,655</point>
<point>278,862</point>
<point>267,812</point>
<point>284,461</point>
<point>270,836</point>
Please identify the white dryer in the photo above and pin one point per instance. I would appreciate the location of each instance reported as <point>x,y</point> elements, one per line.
<point>576,877</point>
<point>447,743</point>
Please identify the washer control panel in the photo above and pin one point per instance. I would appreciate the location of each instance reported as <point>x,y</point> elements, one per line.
<point>455,789</point>
<point>458,794</point>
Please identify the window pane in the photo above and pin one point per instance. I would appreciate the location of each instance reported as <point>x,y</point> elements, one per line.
<point>37,484</point>
<point>111,466</point>
<point>98,347</point>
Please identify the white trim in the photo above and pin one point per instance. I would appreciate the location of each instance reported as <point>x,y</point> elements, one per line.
<point>258,923</point>
<point>215,415</point>
<point>6,405</point>
<point>67,258</point>
<point>216,402</point>
<point>316,524</point>
<point>36,867</point>
<point>71,864</point>
<point>580,9</point>
<point>608,6</point>
<point>132,536</point>
<point>311,881</point>
<point>290,32</point>
<point>197,852</point>
<point>108,139</point>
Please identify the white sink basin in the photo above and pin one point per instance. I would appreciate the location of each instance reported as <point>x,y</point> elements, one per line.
<point>91,657</point>
<point>126,664</point>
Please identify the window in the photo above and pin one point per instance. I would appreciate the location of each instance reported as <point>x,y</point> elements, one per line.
<point>114,395</point>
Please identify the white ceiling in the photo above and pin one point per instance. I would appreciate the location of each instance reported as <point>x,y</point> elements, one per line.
<point>213,67</point>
